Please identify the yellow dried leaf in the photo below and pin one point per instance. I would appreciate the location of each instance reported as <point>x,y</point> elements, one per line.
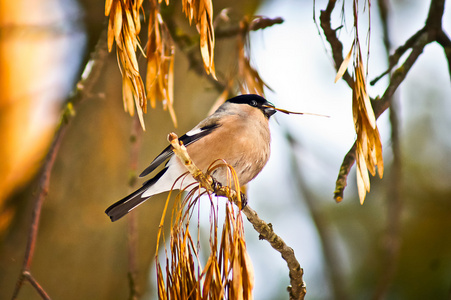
<point>118,21</point>
<point>160,63</point>
<point>131,56</point>
<point>248,270</point>
<point>110,34</point>
<point>201,11</point>
<point>204,41</point>
<point>136,20</point>
<point>361,86</point>
<point>130,24</point>
<point>108,5</point>
<point>360,186</point>
<point>344,65</point>
<point>368,144</point>
<point>127,95</point>
<point>153,68</point>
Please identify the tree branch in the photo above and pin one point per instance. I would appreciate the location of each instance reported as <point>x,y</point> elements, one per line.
<point>84,87</point>
<point>256,24</point>
<point>331,37</point>
<point>445,42</point>
<point>297,289</point>
<point>132,234</point>
<point>431,32</point>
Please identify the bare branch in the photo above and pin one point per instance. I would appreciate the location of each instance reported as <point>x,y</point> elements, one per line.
<point>444,40</point>
<point>342,180</point>
<point>27,275</point>
<point>430,33</point>
<point>297,289</point>
<point>132,236</point>
<point>396,56</point>
<point>256,24</point>
<point>331,36</point>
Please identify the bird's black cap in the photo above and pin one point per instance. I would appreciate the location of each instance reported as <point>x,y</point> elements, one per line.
<point>256,101</point>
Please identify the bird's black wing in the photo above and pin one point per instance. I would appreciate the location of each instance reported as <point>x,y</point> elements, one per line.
<point>188,138</point>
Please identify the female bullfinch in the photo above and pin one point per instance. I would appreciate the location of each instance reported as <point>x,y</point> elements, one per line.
<point>237,132</point>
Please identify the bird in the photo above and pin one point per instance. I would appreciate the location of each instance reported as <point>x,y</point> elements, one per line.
<point>237,133</point>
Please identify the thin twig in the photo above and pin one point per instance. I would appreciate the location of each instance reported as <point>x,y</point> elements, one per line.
<point>445,42</point>
<point>256,24</point>
<point>84,87</point>
<point>297,289</point>
<point>132,236</point>
<point>36,285</point>
<point>399,52</point>
<point>331,37</point>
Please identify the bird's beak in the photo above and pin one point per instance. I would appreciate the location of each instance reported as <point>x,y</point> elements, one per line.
<point>270,109</point>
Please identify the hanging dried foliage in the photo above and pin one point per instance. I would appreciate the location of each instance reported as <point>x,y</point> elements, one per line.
<point>227,272</point>
<point>123,28</point>
<point>368,143</point>
<point>160,62</point>
<point>201,11</point>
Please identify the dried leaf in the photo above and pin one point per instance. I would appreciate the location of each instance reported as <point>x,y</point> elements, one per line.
<point>228,271</point>
<point>368,144</point>
<point>123,28</point>
<point>344,65</point>
<point>361,87</point>
<point>201,12</point>
<point>117,21</point>
<point>127,95</point>
<point>108,5</point>
<point>160,63</point>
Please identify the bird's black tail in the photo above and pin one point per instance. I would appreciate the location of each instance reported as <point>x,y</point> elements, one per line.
<point>125,205</point>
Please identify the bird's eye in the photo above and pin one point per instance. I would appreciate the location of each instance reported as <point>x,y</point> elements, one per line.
<point>253,103</point>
